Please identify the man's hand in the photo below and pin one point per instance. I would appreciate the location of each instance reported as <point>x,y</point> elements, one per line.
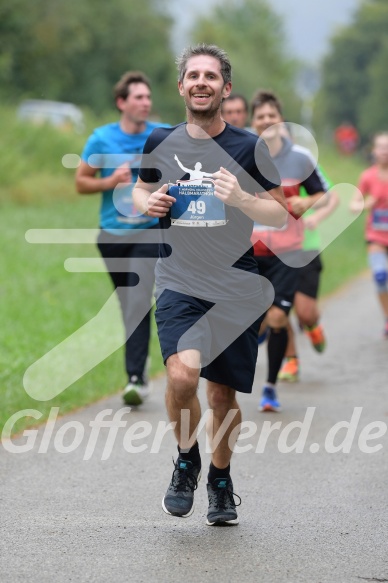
<point>122,175</point>
<point>227,188</point>
<point>298,205</point>
<point>159,202</point>
<point>311,222</point>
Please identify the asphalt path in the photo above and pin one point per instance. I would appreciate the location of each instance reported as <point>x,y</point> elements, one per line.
<point>81,504</point>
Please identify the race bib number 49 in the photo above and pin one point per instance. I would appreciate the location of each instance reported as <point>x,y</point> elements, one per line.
<point>196,205</point>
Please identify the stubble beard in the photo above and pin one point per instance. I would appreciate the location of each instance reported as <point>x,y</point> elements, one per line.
<point>200,115</point>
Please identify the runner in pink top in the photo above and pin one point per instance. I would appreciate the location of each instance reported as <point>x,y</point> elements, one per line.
<point>374,189</point>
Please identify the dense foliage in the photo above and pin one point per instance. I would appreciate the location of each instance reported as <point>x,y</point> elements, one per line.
<point>253,35</point>
<point>75,51</point>
<point>354,80</point>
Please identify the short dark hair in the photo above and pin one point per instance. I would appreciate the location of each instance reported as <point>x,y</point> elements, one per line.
<point>204,49</point>
<point>234,96</point>
<point>262,98</point>
<point>121,89</point>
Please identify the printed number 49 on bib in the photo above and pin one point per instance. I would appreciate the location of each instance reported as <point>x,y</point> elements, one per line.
<point>197,207</point>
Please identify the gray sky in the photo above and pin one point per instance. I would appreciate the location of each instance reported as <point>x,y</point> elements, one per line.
<point>309,24</point>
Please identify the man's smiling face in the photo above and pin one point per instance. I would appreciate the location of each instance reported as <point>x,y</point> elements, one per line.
<point>203,86</point>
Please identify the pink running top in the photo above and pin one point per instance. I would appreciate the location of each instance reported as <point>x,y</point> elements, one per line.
<point>370,183</point>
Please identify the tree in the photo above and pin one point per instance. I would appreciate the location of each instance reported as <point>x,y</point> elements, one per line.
<point>373,115</point>
<point>253,36</point>
<point>75,50</point>
<point>354,85</point>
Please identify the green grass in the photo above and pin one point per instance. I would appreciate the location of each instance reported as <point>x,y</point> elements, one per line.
<point>42,304</point>
<point>345,257</point>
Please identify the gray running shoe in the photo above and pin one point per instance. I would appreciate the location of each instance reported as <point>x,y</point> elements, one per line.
<point>222,507</point>
<point>179,498</point>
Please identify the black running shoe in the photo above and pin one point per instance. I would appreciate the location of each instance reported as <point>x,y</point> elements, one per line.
<point>179,498</point>
<point>222,507</point>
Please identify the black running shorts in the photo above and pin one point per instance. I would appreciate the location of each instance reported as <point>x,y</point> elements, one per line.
<point>186,322</point>
<point>309,276</point>
<point>283,278</point>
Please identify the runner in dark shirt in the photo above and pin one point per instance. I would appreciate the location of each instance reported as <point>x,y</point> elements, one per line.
<point>209,299</point>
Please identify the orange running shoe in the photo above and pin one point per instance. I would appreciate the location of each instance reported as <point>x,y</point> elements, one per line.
<point>290,370</point>
<point>317,337</point>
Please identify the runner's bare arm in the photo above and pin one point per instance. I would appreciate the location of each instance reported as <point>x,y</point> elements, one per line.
<point>268,209</point>
<point>361,202</point>
<point>299,205</point>
<point>87,182</point>
<point>313,220</point>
